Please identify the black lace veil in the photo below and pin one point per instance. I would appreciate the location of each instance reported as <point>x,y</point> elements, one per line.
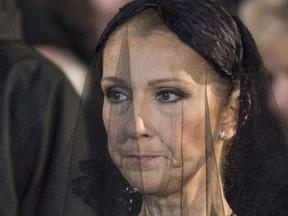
<point>254,167</point>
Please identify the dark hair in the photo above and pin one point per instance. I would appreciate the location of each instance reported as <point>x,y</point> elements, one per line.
<point>215,37</point>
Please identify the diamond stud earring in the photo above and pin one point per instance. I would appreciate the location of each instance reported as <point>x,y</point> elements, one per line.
<point>222,134</point>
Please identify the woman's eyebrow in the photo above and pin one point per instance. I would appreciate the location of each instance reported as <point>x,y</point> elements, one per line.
<point>158,81</point>
<point>116,80</point>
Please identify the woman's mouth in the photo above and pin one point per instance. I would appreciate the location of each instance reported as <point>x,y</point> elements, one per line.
<point>142,158</point>
<point>143,162</point>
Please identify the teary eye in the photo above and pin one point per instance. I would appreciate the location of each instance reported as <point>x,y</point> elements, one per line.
<point>169,95</point>
<point>116,96</point>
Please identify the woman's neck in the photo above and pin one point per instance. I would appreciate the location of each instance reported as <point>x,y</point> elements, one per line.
<point>198,197</point>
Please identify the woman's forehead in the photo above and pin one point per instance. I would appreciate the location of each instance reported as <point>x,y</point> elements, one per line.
<point>155,42</point>
<point>143,25</point>
<point>160,52</point>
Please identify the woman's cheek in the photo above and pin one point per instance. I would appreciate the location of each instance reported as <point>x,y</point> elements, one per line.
<point>105,115</point>
<point>116,140</point>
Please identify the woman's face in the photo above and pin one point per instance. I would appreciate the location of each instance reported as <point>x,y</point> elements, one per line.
<point>154,109</point>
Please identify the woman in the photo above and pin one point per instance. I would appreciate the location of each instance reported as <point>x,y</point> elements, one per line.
<point>183,95</point>
<point>155,88</point>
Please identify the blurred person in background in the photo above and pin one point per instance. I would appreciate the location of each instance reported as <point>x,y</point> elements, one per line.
<point>268,22</point>
<point>38,109</point>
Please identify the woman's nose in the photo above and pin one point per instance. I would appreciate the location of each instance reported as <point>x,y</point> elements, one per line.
<point>140,124</point>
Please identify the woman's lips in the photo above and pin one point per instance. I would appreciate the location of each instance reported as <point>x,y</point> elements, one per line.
<point>144,162</point>
<point>142,158</point>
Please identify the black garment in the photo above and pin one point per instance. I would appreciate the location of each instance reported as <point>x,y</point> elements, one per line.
<point>37,116</point>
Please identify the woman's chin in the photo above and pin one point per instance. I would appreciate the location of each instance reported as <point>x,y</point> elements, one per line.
<point>149,182</point>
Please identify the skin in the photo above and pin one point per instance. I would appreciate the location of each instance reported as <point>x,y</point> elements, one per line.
<point>154,115</point>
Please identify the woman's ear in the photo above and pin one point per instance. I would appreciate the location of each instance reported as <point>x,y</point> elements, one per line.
<point>229,117</point>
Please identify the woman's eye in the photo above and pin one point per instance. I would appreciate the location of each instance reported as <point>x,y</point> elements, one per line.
<point>169,95</point>
<point>116,96</point>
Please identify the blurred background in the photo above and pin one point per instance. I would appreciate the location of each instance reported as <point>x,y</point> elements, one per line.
<point>268,22</point>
